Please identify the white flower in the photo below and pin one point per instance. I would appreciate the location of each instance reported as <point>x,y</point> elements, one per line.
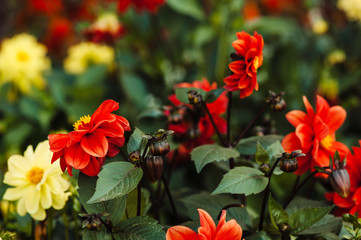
<point>37,184</point>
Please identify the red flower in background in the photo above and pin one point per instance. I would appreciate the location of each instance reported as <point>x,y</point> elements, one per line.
<point>60,33</point>
<point>247,59</point>
<point>352,203</point>
<point>92,140</point>
<point>140,5</point>
<point>315,134</point>
<point>230,230</point>
<point>194,130</point>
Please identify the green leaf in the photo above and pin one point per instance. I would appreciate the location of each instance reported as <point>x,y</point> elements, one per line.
<point>277,213</point>
<point>213,95</point>
<point>134,88</point>
<point>187,7</point>
<point>329,223</point>
<point>213,204</point>
<point>249,145</point>
<point>261,155</point>
<point>116,179</point>
<point>259,236</point>
<point>242,180</point>
<point>94,235</point>
<point>182,93</point>
<point>274,149</point>
<point>132,198</point>
<point>139,228</point>
<point>205,154</point>
<point>115,207</point>
<point>135,140</point>
<point>304,218</point>
<point>93,75</point>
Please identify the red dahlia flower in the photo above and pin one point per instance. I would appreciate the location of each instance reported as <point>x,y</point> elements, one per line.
<point>230,230</point>
<point>140,5</point>
<point>203,124</point>
<point>315,134</point>
<point>92,140</point>
<point>352,203</point>
<point>247,59</point>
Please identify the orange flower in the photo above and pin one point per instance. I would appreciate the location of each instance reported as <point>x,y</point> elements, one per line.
<point>247,59</point>
<point>230,230</point>
<point>315,134</point>
<point>92,140</point>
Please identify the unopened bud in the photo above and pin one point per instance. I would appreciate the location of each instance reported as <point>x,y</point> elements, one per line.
<point>276,101</point>
<point>265,168</point>
<point>340,181</point>
<point>153,167</point>
<point>194,97</point>
<point>134,157</point>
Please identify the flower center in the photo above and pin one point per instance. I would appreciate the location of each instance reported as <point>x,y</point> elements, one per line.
<point>327,142</point>
<point>22,57</point>
<point>255,63</point>
<point>35,175</point>
<point>81,122</point>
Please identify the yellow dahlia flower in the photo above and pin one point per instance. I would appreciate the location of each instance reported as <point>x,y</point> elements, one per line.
<point>22,62</point>
<point>107,22</point>
<point>352,8</point>
<point>36,183</point>
<point>84,54</point>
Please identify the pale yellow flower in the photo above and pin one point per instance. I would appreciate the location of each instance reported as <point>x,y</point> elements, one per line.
<point>352,8</point>
<point>84,54</point>
<point>23,61</point>
<point>36,183</point>
<point>107,22</point>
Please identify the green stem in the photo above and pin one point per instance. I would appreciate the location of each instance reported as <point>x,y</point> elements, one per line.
<point>229,206</point>
<point>49,225</point>
<point>139,199</point>
<point>250,125</point>
<point>296,190</point>
<point>266,195</point>
<point>169,196</point>
<point>214,125</point>
<point>66,225</point>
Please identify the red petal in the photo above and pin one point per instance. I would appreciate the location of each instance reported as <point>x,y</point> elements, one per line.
<point>76,157</point>
<point>308,106</point>
<point>320,128</point>
<point>106,107</point>
<point>238,67</point>
<point>111,129</point>
<point>305,134</point>
<point>95,144</point>
<point>181,233</point>
<point>231,230</point>
<point>291,143</point>
<point>58,141</point>
<point>101,119</point>
<point>124,122</point>
<point>296,117</point>
<point>322,107</point>
<point>336,117</point>
<point>93,168</point>
<point>207,227</point>
<point>76,136</point>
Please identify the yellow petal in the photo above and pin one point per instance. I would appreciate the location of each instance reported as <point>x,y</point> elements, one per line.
<point>32,200</point>
<point>21,207</point>
<point>45,197</point>
<point>40,215</point>
<point>12,194</point>
<point>18,165</point>
<point>16,181</point>
<point>29,154</point>
<point>43,155</point>
<point>59,200</point>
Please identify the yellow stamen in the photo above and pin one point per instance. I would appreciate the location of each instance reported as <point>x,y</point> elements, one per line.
<point>35,175</point>
<point>22,56</point>
<point>327,142</point>
<point>82,121</point>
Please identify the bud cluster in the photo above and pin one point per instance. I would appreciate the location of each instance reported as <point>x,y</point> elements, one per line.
<point>288,161</point>
<point>276,101</point>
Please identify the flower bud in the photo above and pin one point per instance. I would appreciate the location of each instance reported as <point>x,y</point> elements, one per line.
<point>193,132</point>
<point>158,148</point>
<point>284,227</point>
<point>265,168</point>
<point>153,167</point>
<point>289,165</point>
<point>134,157</point>
<point>276,101</point>
<point>194,97</point>
<point>178,115</point>
<point>340,181</point>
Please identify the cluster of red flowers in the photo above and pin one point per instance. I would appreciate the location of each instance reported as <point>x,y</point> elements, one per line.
<point>247,59</point>
<point>140,5</point>
<point>92,140</point>
<point>352,203</point>
<point>199,131</point>
<point>315,134</point>
<point>230,230</point>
